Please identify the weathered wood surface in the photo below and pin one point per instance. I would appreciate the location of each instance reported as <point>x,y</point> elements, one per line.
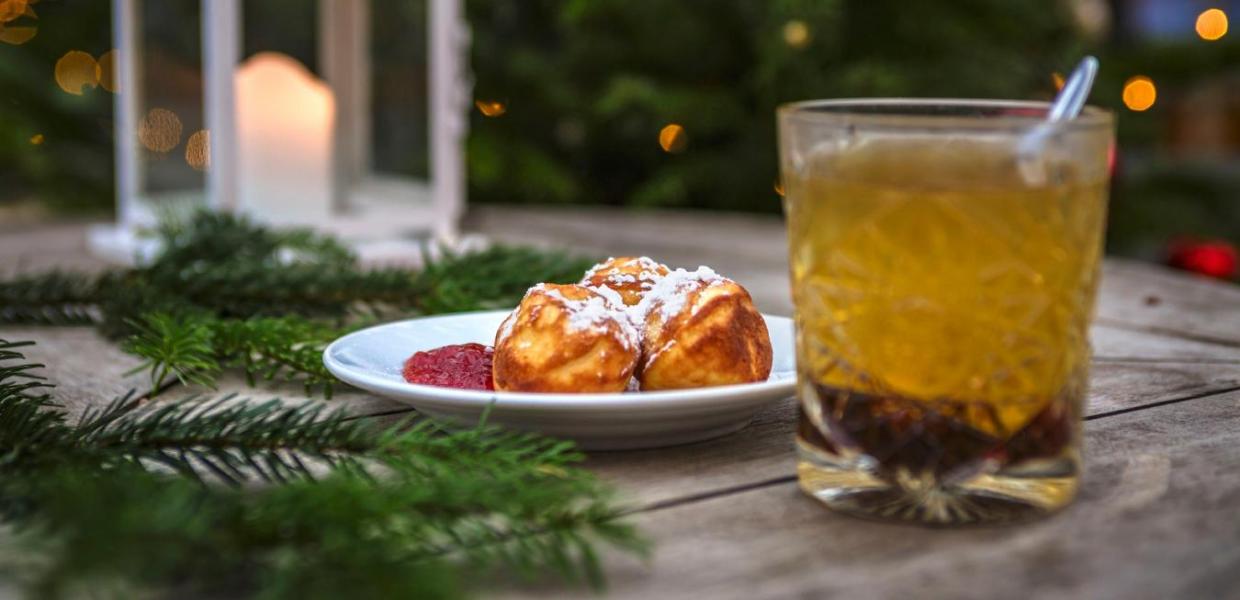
<point>1157,518</point>
<point>87,369</point>
<point>764,451</point>
<point>1158,515</point>
<point>1145,298</point>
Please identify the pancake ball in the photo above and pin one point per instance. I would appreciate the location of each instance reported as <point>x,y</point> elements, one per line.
<point>701,330</point>
<point>566,338</point>
<point>629,276</point>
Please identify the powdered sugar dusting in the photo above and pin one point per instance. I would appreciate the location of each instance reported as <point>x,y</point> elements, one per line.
<point>595,312</point>
<point>670,293</point>
<point>648,272</point>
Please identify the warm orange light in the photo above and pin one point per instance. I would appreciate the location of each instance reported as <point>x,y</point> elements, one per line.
<point>1139,93</point>
<point>672,138</point>
<point>797,34</point>
<point>160,130</point>
<point>1057,79</point>
<point>779,187</point>
<point>1212,24</point>
<point>491,108</point>
<point>17,35</point>
<point>36,139</point>
<point>76,70</point>
<point>198,150</point>
<point>105,71</point>
<point>11,9</point>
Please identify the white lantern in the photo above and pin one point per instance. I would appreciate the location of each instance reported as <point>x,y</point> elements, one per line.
<point>279,142</point>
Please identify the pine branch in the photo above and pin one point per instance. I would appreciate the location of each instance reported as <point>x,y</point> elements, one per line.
<point>51,298</point>
<point>392,512</point>
<point>228,438</point>
<point>493,278</point>
<point>174,346</point>
<point>28,422</point>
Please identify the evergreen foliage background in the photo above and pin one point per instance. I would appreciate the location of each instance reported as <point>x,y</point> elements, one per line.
<point>589,83</point>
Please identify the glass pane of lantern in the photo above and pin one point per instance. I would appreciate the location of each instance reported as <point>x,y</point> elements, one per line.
<point>285,26</point>
<point>399,100</point>
<point>172,146</point>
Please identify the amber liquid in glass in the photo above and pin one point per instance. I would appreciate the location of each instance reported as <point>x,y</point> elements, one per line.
<point>943,303</point>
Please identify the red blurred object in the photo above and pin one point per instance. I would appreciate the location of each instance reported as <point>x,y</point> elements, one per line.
<point>464,366</point>
<point>1214,258</point>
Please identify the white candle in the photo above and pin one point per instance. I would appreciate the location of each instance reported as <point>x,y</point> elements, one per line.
<point>285,119</point>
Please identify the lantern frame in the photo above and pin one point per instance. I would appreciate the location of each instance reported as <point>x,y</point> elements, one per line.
<point>383,217</point>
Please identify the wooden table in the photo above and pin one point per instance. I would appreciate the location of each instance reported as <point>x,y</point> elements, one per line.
<point>1158,516</point>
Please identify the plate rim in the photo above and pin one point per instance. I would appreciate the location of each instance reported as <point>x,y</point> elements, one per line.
<point>413,392</point>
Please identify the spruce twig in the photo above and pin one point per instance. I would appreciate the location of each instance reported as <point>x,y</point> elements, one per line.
<point>392,511</point>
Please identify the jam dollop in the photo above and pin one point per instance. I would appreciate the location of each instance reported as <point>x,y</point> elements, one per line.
<point>463,366</point>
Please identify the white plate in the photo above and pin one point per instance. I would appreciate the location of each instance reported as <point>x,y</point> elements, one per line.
<point>372,359</point>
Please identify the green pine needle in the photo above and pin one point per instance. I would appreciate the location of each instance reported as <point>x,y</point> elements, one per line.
<point>226,293</point>
<point>314,504</point>
<point>174,346</point>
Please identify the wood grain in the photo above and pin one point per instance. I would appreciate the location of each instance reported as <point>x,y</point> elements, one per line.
<point>1156,519</point>
<point>87,369</point>
<point>764,450</point>
<point>1150,298</point>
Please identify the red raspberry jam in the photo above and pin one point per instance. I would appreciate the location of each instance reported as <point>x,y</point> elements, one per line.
<point>463,366</point>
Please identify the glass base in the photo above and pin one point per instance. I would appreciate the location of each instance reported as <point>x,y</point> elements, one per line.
<point>1003,496</point>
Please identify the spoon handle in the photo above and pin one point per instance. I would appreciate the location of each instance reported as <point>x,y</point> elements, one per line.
<point>1071,98</point>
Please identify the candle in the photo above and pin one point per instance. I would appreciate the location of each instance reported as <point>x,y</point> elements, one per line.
<point>285,118</point>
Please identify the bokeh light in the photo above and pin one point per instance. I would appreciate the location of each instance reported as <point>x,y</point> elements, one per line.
<point>797,34</point>
<point>1058,80</point>
<point>491,108</point>
<point>76,70</point>
<point>198,150</point>
<point>11,9</point>
<point>17,35</point>
<point>36,139</point>
<point>1212,24</point>
<point>105,71</point>
<point>1139,93</point>
<point>160,130</point>
<point>779,187</point>
<point>672,138</point>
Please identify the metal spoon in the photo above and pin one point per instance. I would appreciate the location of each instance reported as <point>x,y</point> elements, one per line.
<point>1067,105</point>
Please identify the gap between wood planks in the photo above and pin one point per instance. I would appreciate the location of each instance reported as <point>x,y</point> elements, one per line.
<point>1167,332</point>
<point>785,479</point>
<point>790,478</point>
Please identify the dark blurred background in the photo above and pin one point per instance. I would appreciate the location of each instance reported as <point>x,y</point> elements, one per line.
<point>647,103</point>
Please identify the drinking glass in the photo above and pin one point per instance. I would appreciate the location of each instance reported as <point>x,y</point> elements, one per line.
<point>944,258</point>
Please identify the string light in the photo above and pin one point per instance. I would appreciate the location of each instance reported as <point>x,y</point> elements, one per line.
<point>1057,79</point>
<point>198,150</point>
<point>796,34</point>
<point>1139,93</point>
<point>36,139</point>
<point>17,35</point>
<point>76,70</point>
<point>11,9</point>
<point>1212,24</point>
<point>105,71</point>
<point>160,130</point>
<point>672,138</point>
<point>491,108</point>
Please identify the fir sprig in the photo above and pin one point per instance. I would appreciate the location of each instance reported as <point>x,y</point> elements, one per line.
<point>129,497</point>
<point>226,293</point>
